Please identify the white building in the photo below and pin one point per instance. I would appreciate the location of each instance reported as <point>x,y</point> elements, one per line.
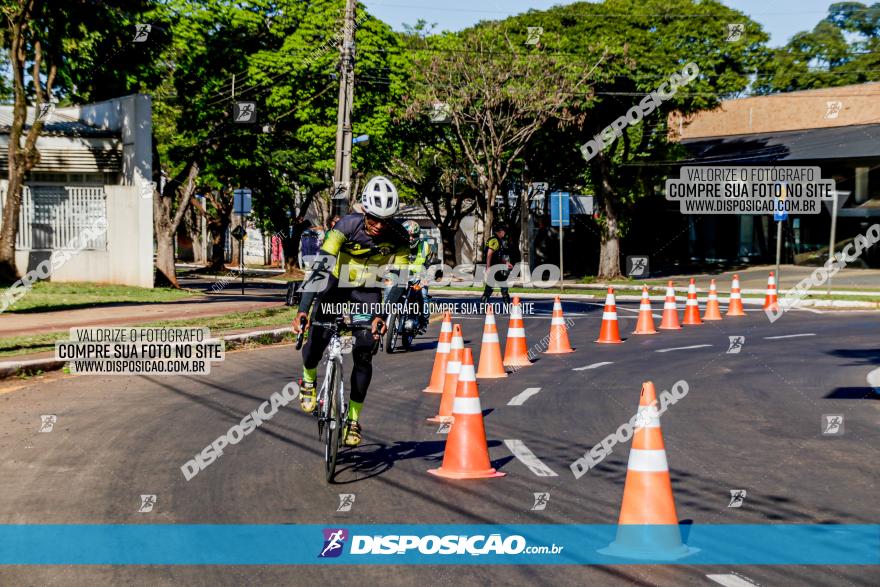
<point>95,163</point>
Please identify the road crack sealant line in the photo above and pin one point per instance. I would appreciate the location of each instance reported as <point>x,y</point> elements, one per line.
<point>418,544</point>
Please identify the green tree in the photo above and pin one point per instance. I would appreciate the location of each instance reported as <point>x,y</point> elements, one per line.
<point>56,51</point>
<point>645,41</point>
<point>842,49</point>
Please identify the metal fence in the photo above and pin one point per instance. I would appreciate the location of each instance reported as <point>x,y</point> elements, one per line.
<point>54,217</point>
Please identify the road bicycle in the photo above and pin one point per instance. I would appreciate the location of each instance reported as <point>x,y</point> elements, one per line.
<point>332,408</point>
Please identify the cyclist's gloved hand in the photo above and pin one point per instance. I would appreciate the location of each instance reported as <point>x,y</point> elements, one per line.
<point>300,323</point>
<point>379,327</point>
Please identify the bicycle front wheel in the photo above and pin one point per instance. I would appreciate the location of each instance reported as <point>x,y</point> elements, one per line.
<point>334,432</point>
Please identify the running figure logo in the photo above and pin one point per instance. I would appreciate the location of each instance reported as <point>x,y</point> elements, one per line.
<point>832,424</point>
<point>334,540</point>
<point>832,109</point>
<point>46,111</point>
<point>735,32</point>
<point>147,503</point>
<point>637,266</point>
<point>736,344</point>
<point>245,112</point>
<point>737,497</point>
<point>346,500</point>
<point>141,32</point>
<point>541,501</point>
<point>534,35</point>
<point>47,422</point>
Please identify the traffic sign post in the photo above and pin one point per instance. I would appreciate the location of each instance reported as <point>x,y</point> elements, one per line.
<point>241,204</point>
<point>780,215</point>
<point>560,216</point>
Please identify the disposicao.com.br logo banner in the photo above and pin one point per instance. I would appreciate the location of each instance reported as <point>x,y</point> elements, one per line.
<point>438,544</point>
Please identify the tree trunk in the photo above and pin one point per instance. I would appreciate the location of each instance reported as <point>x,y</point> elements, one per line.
<point>217,229</point>
<point>290,246</point>
<point>194,230</point>
<point>165,272</point>
<point>609,252</point>
<point>166,221</point>
<point>11,211</point>
<point>447,235</point>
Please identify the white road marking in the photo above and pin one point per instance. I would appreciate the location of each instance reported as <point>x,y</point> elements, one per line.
<point>593,366</point>
<point>528,458</point>
<point>519,399</point>
<point>874,379</point>
<point>788,336</point>
<point>682,348</point>
<point>731,581</point>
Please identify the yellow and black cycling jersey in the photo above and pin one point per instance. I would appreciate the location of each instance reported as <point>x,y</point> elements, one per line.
<point>499,248</point>
<point>360,253</point>
<point>357,259</point>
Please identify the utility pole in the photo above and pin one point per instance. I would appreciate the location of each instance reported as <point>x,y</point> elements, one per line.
<point>342,172</point>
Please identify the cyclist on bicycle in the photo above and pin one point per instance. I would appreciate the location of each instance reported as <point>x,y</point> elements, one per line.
<point>420,255</point>
<point>360,244</point>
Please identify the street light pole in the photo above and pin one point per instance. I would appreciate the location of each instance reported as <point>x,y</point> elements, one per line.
<point>342,171</point>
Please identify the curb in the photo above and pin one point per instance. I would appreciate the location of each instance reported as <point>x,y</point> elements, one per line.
<point>10,369</point>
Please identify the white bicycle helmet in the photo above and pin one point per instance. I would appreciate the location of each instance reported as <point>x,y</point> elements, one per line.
<point>380,198</point>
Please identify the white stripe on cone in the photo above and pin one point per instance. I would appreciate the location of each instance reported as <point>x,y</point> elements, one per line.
<point>467,373</point>
<point>516,332</point>
<point>443,347</point>
<point>649,416</point>
<point>490,337</point>
<point>647,461</point>
<point>446,327</point>
<point>609,315</point>
<point>466,406</point>
<point>734,295</point>
<point>490,319</point>
<point>453,367</point>
<point>458,343</point>
<point>557,321</point>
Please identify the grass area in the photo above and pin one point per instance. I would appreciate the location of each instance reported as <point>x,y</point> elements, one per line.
<point>273,317</point>
<point>47,296</point>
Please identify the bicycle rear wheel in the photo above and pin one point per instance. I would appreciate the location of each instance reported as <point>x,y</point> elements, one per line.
<point>334,427</point>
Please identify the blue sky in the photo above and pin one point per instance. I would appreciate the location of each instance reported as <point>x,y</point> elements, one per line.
<point>780,18</point>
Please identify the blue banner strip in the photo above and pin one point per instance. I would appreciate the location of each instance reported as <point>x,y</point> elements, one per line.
<point>146,544</point>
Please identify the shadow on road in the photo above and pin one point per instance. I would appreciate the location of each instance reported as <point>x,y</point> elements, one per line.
<point>371,460</point>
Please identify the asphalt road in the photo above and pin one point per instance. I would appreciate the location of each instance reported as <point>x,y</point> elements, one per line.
<point>750,421</point>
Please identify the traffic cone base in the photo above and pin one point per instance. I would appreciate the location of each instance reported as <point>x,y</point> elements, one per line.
<point>466,454</point>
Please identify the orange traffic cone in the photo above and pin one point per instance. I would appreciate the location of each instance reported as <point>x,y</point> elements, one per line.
<point>713,310</point>
<point>648,524</point>
<point>453,366</point>
<point>439,372</point>
<point>466,455</point>
<point>770,298</point>
<point>692,309</point>
<point>515,352</point>
<point>645,325</point>
<point>609,333</point>
<point>559,343</point>
<point>670,313</point>
<point>491,366</point>
<point>735,304</point>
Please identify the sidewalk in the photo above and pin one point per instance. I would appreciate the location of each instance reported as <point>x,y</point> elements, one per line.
<point>754,280</point>
<point>128,314</point>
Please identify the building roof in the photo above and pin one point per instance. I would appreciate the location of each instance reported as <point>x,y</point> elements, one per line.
<point>822,108</point>
<point>845,142</point>
<point>59,124</point>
